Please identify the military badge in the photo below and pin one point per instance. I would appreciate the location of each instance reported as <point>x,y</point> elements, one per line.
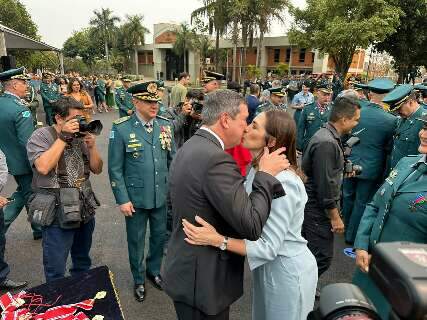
<point>152,88</point>
<point>132,136</point>
<point>166,137</point>
<point>26,114</point>
<point>135,155</point>
<point>391,176</point>
<point>112,134</point>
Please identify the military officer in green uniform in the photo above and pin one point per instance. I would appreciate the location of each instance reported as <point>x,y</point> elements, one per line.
<point>139,155</point>
<point>276,101</point>
<point>211,81</point>
<point>422,89</point>
<point>403,101</point>
<point>314,115</point>
<point>16,126</point>
<point>375,131</point>
<point>124,100</point>
<point>160,93</point>
<point>50,94</point>
<point>398,212</point>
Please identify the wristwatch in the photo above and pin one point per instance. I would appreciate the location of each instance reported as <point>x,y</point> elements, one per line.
<point>223,245</point>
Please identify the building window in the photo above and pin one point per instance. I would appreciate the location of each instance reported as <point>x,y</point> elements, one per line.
<point>276,55</point>
<point>302,55</point>
<point>288,55</point>
<point>312,57</point>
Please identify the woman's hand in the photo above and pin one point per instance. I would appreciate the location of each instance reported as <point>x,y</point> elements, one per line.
<point>363,258</point>
<point>205,235</point>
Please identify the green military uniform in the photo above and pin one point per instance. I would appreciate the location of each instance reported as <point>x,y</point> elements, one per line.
<point>162,108</point>
<point>50,94</point>
<point>100,90</point>
<point>138,165</point>
<point>310,120</point>
<point>423,93</point>
<point>398,212</point>
<point>16,126</point>
<point>375,130</point>
<point>124,100</point>
<point>406,140</point>
<point>268,105</point>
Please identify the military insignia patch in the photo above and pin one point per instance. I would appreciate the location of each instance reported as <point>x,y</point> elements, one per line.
<point>26,114</point>
<point>112,134</point>
<point>419,200</point>
<point>393,174</point>
<point>152,88</point>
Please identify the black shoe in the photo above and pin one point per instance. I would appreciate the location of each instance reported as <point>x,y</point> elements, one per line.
<point>156,281</point>
<point>139,292</point>
<point>37,236</point>
<point>11,285</point>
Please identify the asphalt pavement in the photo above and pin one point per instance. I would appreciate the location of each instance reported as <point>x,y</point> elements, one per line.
<point>24,254</point>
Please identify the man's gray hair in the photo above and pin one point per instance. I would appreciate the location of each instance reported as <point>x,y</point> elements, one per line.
<point>218,102</point>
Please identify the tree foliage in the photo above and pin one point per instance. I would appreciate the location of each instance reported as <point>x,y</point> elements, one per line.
<point>84,44</point>
<point>104,23</point>
<point>338,27</point>
<point>408,45</point>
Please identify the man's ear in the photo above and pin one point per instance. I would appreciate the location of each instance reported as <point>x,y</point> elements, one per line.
<point>224,119</point>
<point>271,142</point>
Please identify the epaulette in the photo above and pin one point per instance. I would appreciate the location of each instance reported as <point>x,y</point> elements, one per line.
<point>121,120</point>
<point>163,118</point>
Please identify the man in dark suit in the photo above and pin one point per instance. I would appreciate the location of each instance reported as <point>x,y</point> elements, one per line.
<point>253,101</point>
<point>204,180</point>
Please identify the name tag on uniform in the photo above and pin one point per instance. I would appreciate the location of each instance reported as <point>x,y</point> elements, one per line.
<point>134,145</point>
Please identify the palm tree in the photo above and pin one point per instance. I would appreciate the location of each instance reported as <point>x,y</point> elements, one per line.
<point>218,14</point>
<point>134,35</point>
<point>267,10</point>
<point>184,41</point>
<point>105,23</point>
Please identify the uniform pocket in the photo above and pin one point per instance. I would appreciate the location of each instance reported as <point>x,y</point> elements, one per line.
<point>135,152</point>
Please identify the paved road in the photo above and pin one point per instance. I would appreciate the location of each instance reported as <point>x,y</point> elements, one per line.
<point>109,248</point>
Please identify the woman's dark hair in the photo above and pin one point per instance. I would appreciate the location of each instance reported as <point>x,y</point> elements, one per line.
<point>183,75</point>
<point>281,126</point>
<point>70,85</point>
<point>63,105</point>
<point>195,94</point>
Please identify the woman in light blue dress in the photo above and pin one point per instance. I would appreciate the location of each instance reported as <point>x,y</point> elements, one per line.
<point>284,270</point>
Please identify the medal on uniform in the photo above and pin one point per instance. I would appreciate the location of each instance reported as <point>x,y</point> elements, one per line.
<point>135,155</point>
<point>419,200</point>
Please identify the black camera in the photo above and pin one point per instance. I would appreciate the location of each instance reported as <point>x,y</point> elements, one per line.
<point>197,106</point>
<point>349,167</point>
<point>93,127</point>
<point>399,270</point>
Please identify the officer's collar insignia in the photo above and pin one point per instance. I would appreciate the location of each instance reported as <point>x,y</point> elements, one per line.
<point>419,200</point>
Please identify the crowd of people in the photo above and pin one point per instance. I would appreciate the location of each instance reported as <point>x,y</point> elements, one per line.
<point>219,175</point>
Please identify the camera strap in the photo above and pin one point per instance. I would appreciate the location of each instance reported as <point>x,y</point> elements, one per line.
<point>61,168</point>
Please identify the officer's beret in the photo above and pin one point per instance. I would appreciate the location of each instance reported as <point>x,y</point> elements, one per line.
<point>11,74</point>
<point>210,75</point>
<point>398,96</point>
<point>324,87</point>
<point>277,91</point>
<point>381,85</point>
<point>146,91</point>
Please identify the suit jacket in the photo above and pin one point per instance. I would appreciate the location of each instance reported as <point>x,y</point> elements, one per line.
<point>253,103</point>
<point>205,181</point>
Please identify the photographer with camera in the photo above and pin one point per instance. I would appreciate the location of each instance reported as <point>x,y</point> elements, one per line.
<point>62,157</point>
<point>323,163</point>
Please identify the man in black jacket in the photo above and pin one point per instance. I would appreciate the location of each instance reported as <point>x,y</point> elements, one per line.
<point>204,180</point>
<point>323,163</point>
